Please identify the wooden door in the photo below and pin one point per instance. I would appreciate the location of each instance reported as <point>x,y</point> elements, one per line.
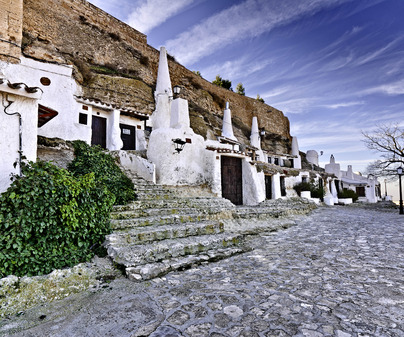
<point>360,191</point>
<point>232,183</point>
<point>268,187</point>
<point>128,136</point>
<point>99,131</point>
<point>283,186</point>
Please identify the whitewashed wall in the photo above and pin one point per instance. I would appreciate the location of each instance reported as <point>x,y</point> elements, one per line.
<point>253,184</point>
<point>141,166</point>
<point>59,95</point>
<point>27,105</point>
<point>9,135</point>
<point>185,168</point>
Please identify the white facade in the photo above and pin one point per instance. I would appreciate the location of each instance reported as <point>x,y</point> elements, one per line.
<point>56,90</point>
<point>175,154</point>
<point>367,188</point>
<point>17,104</point>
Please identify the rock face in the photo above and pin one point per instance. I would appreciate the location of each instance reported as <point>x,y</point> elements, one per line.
<point>114,63</point>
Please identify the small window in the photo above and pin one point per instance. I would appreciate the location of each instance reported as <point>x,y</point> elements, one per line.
<point>45,81</point>
<point>83,118</point>
<point>304,179</point>
<point>85,107</point>
<point>269,160</point>
<point>276,161</point>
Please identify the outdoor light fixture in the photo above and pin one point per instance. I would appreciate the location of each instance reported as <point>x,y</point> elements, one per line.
<point>400,173</point>
<point>179,144</point>
<point>176,90</point>
<point>262,132</point>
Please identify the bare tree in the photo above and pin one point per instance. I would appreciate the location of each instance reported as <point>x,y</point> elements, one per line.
<point>388,140</point>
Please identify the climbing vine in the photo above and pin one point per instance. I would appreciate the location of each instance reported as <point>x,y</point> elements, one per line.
<point>50,219</point>
<point>92,159</point>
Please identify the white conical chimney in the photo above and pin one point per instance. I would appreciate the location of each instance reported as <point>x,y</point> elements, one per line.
<point>163,85</point>
<point>255,136</point>
<point>227,129</point>
<point>163,94</point>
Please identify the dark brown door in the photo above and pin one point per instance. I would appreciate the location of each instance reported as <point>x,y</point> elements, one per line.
<point>128,136</point>
<point>283,186</point>
<point>360,191</point>
<point>99,131</point>
<point>232,184</point>
<point>268,187</point>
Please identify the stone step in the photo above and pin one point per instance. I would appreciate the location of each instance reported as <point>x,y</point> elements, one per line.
<point>159,195</point>
<point>141,235</point>
<point>136,255</point>
<point>196,216</point>
<point>259,213</point>
<point>149,212</point>
<point>152,188</point>
<point>176,203</point>
<point>158,269</point>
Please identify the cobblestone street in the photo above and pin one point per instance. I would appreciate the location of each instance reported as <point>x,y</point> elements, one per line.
<point>339,272</point>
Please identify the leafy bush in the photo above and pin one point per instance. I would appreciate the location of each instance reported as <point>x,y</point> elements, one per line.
<point>49,220</point>
<point>316,190</point>
<point>303,186</point>
<point>93,159</point>
<point>347,193</point>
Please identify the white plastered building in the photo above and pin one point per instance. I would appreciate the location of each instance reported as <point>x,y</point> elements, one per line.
<point>367,188</point>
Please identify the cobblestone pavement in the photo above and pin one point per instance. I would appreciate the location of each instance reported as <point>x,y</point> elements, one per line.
<point>339,272</point>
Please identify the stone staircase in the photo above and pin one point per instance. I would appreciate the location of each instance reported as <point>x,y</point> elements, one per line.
<point>165,230</point>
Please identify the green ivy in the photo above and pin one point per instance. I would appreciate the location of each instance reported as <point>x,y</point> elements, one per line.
<point>50,219</point>
<point>93,159</point>
<point>347,193</point>
<point>316,190</point>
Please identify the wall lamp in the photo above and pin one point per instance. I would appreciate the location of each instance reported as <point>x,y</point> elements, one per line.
<point>262,132</point>
<point>176,91</point>
<point>179,144</point>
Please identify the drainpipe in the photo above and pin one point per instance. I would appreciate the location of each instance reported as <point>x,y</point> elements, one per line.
<point>19,131</point>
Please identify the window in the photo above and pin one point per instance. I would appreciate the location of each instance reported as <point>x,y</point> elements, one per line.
<point>45,81</point>
<point>276,161</point>
<point>269,160</point>
<point>83,118</point>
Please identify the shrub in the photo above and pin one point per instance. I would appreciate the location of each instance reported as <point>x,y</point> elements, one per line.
<point>347,193</point>
<point>316,190</point>
<point>93,159</point>
<point>50,220</point>
<point>302,187</point>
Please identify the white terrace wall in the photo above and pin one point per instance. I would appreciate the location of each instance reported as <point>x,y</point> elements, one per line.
<point>9,136</point>
<point>253,184</point>
<point>26,105</point>
<point>172,168</point>
<point>58,95</point>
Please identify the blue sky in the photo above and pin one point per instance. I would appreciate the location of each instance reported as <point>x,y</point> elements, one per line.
<point>334,67</point>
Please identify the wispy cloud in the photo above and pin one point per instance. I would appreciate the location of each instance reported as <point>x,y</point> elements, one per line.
<point>379,52</point>
<point>342,105</point>
<point>391,89</point>
<point>240,67</point>
<point>295,105</point>
<point>248,19</point>
<point>151,13</point>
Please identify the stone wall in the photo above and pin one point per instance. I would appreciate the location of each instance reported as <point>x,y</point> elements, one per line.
<point>114,63</point>
<point>10,30</point>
